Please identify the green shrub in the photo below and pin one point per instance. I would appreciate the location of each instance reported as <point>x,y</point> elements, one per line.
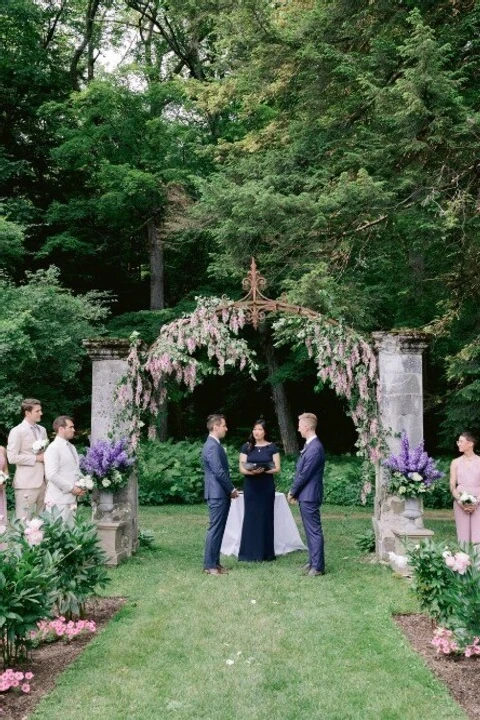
<point>343,481</point>
<point>447,584</point>
<point>172,473</point>
<point>79,561</point>
<point>440,497</point>
<point>27,594</point>
<point>365,542</point>
<point>432,579</point>
<point>146,538</point>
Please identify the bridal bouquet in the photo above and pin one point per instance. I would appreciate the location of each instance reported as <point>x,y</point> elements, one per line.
<point>108,464</point>
<point>39,446</point>
<point>413,471</point>
<point>3,478</point>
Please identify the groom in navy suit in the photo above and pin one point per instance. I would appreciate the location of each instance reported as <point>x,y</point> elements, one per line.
<point>219,491</point>
<point>307,488</point>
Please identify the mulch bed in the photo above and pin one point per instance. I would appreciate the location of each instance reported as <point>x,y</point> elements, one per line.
<point>461,675</point>
<point>51,659</point>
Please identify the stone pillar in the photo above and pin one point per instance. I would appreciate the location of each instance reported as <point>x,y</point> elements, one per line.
<point>401,409</point>
<point>117,526</point>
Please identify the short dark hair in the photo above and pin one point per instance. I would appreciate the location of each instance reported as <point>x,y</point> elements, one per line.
<point>61,421</point>
<point>214,419</point>
<point>469,436</point>
<point>28,404</point>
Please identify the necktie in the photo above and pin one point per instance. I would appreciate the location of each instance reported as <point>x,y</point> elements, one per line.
<point>36,432</point>
<point>72,450</point>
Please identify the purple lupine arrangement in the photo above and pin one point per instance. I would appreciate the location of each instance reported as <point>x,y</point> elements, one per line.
<point>413,471</point>
<point>107,463</point>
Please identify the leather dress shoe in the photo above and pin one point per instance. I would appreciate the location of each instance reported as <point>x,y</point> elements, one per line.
<point>313,573</point>
<point>222,570</point>
<point>212,571</point>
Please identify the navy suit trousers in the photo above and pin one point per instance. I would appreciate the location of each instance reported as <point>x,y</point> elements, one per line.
<point>310,512</point>
<point>218,513</point>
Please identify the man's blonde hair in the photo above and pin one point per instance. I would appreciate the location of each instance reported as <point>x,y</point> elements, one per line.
<point>309,419</point>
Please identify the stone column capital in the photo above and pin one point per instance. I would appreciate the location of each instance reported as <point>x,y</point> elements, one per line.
<point>404,342</point>
<point>107,348</point>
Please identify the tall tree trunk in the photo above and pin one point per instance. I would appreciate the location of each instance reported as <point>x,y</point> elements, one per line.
<point>157,267</point>
<point>279,395</point>
<point>91,11</point>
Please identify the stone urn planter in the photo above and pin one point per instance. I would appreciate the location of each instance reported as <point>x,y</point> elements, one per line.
<point>411,513</point>
<point>105,502</point>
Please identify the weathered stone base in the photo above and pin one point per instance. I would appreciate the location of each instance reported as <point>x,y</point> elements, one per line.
<point>114,539</point>
<point>403,541</point>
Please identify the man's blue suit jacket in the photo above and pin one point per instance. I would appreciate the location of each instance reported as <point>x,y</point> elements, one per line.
<point>308,482</point>
<point>217,474</point>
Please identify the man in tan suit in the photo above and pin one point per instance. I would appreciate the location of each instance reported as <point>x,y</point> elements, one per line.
<point>62,471</point>
<point>29,479</point>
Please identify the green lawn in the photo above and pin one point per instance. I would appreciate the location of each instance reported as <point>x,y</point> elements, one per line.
<point>302,648</point>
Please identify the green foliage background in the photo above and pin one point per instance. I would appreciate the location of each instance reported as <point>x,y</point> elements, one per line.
<point>172,473</point>
<point>333,141</point>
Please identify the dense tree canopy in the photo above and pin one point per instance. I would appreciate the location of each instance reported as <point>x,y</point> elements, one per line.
<point>151,148</point>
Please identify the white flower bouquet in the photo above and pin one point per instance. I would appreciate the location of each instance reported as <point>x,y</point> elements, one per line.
<point>3,478</point>
<point>467,499</point>
<point>39,446</point>
<point>85,482</point>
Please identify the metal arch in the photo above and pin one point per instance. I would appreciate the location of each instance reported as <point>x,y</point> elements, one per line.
<point>256,305</point>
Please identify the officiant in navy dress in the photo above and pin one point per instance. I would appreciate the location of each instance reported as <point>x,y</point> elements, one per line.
<point>259,461</point>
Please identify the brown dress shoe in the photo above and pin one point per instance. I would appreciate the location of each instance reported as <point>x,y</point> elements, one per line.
<point>212,571</point>
<point>222,570</point>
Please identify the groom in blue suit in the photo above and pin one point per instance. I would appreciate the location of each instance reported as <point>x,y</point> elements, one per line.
<point>219,491</point>
<point>307,488</point>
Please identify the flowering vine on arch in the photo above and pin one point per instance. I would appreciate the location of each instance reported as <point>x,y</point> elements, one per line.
<point>213,326</point>
<point>347,362</point>
<point>344,359</point>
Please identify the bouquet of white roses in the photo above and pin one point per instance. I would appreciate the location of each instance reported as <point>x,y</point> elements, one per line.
<point>3,478</point>
<point>467,499</point>
<point>39,446</point>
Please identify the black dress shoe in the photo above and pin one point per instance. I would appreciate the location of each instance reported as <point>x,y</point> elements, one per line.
<point>313,573</point>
